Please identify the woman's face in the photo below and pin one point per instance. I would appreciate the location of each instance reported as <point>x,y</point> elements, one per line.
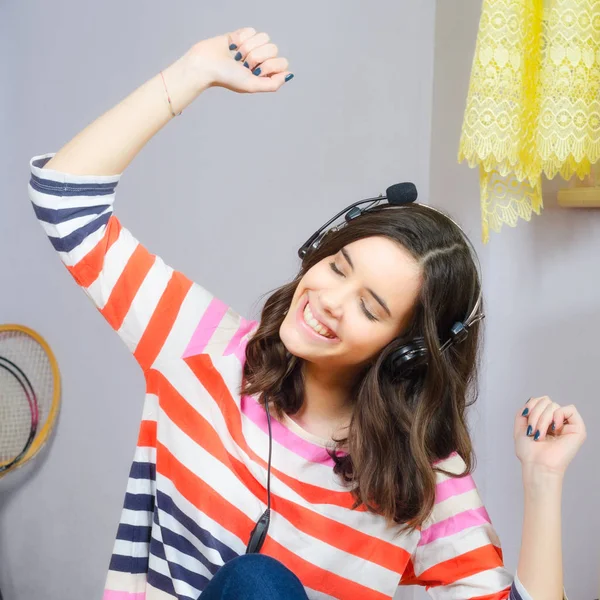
<point>349,306</point>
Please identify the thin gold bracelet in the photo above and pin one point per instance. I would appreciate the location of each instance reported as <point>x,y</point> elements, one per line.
<point>169,97</point>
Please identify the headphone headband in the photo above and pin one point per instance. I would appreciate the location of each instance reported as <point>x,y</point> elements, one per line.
<point>460,330</point>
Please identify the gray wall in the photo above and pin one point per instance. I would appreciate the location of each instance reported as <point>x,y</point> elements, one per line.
<point>543,300</point>
<point>226,194</point>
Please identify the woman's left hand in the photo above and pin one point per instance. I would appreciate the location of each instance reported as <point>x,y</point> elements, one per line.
<point>547,435</point>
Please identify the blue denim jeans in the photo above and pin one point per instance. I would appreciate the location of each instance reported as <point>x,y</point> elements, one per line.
<point>254,577</point>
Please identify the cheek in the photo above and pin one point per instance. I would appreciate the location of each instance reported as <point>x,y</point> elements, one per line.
<point>366,338</point>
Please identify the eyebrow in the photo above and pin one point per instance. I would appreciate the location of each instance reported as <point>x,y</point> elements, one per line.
<point>380,300</point>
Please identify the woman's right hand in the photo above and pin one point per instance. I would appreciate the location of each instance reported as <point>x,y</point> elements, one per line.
<point>243,61</point>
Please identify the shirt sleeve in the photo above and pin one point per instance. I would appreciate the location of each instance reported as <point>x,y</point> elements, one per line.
<point>158,312</point>
<point>458,556</point>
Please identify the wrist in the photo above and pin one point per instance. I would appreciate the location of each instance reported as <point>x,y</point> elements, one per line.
<point>183,85</point>
<point>541,479</point>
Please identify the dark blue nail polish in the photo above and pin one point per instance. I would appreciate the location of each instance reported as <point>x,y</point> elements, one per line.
<point>529,430</point>
<point>536,437</point>
<point>257,71</point>
<point>238,56</point>
<point>288,77</point>
<point>525,412</point>
<point>232,47</point>
<point>553,426</point>
<point>246,65</point>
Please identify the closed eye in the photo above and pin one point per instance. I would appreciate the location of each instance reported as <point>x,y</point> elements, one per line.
<point>366,312</point>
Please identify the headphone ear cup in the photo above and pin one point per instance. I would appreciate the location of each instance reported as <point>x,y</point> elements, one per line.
<point>408,354</point>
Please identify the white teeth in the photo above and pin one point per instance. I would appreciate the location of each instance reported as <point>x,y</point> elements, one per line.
<point>310,320</point>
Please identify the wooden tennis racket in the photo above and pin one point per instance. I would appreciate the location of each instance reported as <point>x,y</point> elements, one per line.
<point>29,395</point>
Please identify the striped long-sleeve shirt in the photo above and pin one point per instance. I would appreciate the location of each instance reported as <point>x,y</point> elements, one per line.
<point>197,482</point>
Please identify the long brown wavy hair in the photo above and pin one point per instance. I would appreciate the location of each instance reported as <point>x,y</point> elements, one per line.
<point>404,419</point>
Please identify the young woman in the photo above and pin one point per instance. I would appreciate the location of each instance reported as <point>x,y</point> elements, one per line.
<point>370,483</point>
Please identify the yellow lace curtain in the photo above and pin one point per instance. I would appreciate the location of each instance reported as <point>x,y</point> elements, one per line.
<point>533,105</point>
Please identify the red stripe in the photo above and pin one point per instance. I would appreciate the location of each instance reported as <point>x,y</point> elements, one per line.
<point>203,497</point>
<point>503,595</point>
<point>127,286</point>
<point>162,320</point>
<point>312,523</point>
<point>470,563</point>
<point>86,271</point>
<point>147,434</point>
<point>212,381</point>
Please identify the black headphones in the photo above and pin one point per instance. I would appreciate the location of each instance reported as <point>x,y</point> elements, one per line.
<point>400,195</point>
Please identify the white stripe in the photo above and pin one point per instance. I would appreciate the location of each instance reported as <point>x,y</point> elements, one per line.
<point>455,505</point>
<point>188,386</point>
<point>59,176</point>
<point>225,536</point>
<point>153,593</point>
<point>150,411</point>
<point>125,582</point>
<point>62,230</point>
<point>450,547</point>
<point>487,582</point>
<point>193,307</point>
<point>44,200</point>
<point>115,261</point>
<point>314,595</point>
<point>133,549</point>
<point>144,303</point>
<point>140,486</point>
<point>136,517</point>
<point>145,454</point>
<point>169,522</point>
<point>70,259</point>
<point>455,464</point>
<point>181,558</point>
<point>224,482</point>
<point>181,587</point>
<point>221,336</point>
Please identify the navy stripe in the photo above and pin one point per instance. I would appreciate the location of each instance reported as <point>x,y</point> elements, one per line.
<point>139,502</point>
<point>60,215</point>
<point>166,504</point>
<point>134,533</point>
<point>61,188</point>
<point>143,470</point>
<point>514,594</point>
<point>177,571</point>
<point>165,584</point>
<point>67,243</point>
<point>128,564</point>
<point>184,546</point>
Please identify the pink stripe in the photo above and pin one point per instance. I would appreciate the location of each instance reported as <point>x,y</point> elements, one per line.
<point>234,343</point>
<point>455,524</point>
<point>453,487</point>
<point>208,324</point>
<point>112,595</point>
<point>281,434</point>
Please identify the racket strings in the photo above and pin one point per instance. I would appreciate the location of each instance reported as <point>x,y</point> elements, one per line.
<point>27,390</point>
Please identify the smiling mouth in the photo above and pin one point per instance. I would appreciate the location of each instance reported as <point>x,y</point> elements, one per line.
<point>315,325</point>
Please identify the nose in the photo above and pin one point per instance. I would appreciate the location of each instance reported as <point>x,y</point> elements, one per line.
<point>332,302</point>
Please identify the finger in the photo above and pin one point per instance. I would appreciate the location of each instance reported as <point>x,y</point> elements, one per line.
<point>257,40</point>
<point>257,56</point>
<point>538,407</point>
<point>574,421</point>
<point>270,84</point>
<point>271,66</point>
<point>558,420</point>
<point>238,37</point>
<point>521,421</point>
<point>544,422</point>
